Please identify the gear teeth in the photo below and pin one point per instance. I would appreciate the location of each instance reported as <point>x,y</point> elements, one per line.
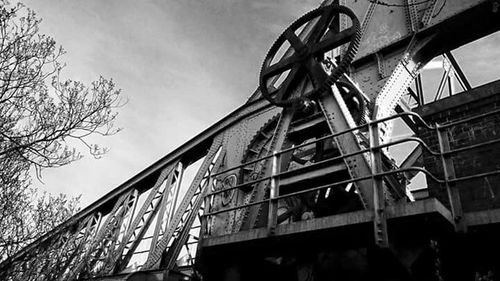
<point>270,55</point>
<point>336,73</point>
<point>360,113</point>
<point>250,150</point>
<point>350,53</point>
<point>263,134</point>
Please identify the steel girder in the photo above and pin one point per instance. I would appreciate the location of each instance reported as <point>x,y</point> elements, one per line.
<point>142,221</point>
<point>393,50</point>
<point>189,203</point>
<point>88,247</point>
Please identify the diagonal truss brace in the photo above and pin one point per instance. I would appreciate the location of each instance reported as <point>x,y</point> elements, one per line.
<point>167,208</point>
<point>91,228</point>
<point>140,224</point>
<point>252,213</point>
<point>187,221</point>
<point>119,230</point>
<point>101,235</point>
<point>161,246</point>
<point>339,119</point>
<point>96,263</point>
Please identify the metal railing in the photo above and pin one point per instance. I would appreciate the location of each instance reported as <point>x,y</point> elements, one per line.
<point>444,153</point>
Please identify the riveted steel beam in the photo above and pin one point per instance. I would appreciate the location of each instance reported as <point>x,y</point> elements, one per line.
<point>252,213</point>
<point>155,255</point>
<point>339,119</point>
<point>98,239</point>
<point>141,223</point>
<point>186,223</point>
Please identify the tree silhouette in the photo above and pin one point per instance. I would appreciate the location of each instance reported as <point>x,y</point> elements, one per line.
<point>45,122</point>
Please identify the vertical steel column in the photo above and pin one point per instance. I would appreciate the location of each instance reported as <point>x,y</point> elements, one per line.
<point>204,219</point>
<point>272,219</point>
<point>206,208</point>
<point>379,217</point>
<point>449,173</point>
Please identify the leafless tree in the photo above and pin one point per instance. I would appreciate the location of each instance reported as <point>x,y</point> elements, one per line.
<point>45,122</point>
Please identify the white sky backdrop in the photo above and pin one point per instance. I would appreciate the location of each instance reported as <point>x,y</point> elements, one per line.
<point>183,65</point>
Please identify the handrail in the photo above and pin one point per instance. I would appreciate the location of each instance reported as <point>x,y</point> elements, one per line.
<point>413,114</point>
<point>431,176</point>
<point>440,129</point>
<point>424,145</point>
<point>366,125</point>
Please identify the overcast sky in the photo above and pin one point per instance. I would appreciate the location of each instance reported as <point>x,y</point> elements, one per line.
<point>183,65</point>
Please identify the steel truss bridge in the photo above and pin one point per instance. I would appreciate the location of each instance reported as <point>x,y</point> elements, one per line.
<point>299,182</point>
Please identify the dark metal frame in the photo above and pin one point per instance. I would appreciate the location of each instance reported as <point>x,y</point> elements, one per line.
<point>377,174</point>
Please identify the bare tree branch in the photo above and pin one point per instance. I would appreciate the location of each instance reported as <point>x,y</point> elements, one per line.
<point>45,122</point>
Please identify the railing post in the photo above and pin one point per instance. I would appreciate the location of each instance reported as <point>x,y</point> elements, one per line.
<point>206,207</point>
<point>379,217</point>
<point>204,225</point>
<point>449,174</point>
<point>272,219</point>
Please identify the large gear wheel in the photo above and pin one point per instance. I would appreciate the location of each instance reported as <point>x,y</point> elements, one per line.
<point>307,55</point>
